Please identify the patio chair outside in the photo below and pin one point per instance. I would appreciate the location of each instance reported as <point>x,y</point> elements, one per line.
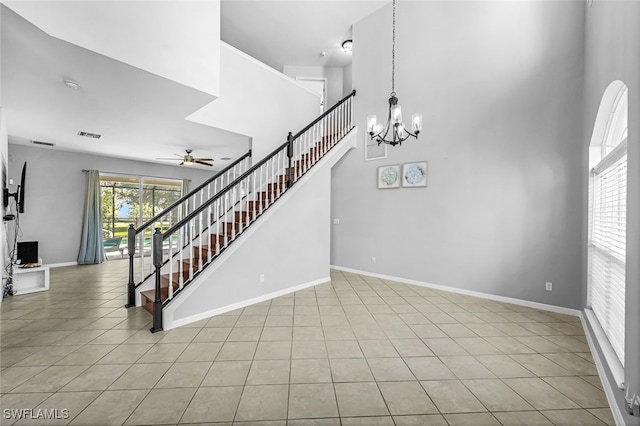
<point>113,244</point>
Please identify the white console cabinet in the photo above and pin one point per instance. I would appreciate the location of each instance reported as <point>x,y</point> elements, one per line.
<point>30,280</point>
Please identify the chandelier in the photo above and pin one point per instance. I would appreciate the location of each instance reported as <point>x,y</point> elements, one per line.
<point>394,132</point>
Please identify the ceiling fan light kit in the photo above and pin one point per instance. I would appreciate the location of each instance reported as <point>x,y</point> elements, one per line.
<point>189,160</point>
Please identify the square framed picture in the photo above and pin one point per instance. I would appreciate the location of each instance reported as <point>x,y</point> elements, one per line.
<point>389,176</point>
<point>414,174</point>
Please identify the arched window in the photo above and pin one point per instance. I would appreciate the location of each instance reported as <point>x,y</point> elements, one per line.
<point>608,216</point>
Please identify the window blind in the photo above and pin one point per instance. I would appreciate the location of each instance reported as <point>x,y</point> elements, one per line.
<point>607,245</point>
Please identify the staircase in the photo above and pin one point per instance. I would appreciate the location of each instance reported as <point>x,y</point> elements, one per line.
<point>197,229</point>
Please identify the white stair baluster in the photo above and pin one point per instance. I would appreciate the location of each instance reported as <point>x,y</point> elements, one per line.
<point>309,138</point>
<point>246,201</point>
<point>253,193</point>
<point>260,188</point>
<point>192,229</point>
<point>180,259</point>
<point>200,233</point>
<point>231,209</point>
<point>217,226</point>
<point>225,222</point>
<point>209,228</point>
<point>170,269</point>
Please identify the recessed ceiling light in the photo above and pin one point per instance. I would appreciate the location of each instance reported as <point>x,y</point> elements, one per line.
<point>71,84</point>
<point>347,46</point>
<point>323,53</point>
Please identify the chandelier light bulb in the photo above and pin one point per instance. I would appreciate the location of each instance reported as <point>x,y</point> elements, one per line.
<point>416,123</point>
<point>372,120</point>
<point>396,114</point>
<point>401,133</point>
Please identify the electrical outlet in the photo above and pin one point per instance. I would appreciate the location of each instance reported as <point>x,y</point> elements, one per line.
<point>336,221</point>
<point>261,278</point>
<point>548,286</point>
<point>373,260</point>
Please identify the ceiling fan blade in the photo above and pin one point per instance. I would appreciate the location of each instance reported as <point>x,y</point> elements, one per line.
<point>181,163</point>
<point>202,162</point>
<point>171,159</point>
<point>203,159</point>
<point>178,155</point>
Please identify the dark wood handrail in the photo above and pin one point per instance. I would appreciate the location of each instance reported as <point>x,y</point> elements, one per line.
<point>314,122</point>
<point>191,193</point>
<point>243,176</point>
<point>211,200</point>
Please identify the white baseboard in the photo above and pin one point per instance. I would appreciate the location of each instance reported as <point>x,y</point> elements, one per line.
<point>602,372</point>
<point>168,325</point>
<point>58,265</point>
<point>520,302</point>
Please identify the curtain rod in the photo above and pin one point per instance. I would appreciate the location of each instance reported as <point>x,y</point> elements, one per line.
<point>132,174</point>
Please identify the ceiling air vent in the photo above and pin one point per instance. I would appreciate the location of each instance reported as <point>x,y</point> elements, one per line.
<point>43,143</point>
<point>89,135</point>
<point>225,158</point>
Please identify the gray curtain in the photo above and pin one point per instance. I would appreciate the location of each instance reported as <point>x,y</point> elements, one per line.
<point>91,248</point>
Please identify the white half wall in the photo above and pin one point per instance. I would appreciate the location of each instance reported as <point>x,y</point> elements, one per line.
<point>289,245</point>
<point>178,40</point>
<point>257,101</point>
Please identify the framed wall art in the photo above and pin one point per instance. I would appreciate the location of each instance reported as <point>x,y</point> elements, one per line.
<point>389,176</point>
<point>414,174</point>
<point>373,151</point>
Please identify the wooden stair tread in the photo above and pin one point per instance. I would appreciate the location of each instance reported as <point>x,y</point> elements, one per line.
<point>253,209</point>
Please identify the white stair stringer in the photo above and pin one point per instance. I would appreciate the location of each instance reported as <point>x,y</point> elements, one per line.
<point>288,246</point>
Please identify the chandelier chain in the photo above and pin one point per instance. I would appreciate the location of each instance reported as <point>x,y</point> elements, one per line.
<point>393,51</point>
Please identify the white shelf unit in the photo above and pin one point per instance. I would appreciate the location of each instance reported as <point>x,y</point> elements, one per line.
<point>30,280</point>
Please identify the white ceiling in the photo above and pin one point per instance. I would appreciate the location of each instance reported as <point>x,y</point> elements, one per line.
<point>139,114</point>
<point>288,32</point>
<point>38,106</point>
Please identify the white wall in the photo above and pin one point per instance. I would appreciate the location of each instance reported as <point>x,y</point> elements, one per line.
<point>499,85</point>
<point>289,245</point>
<point>611,53</point>
<point>332,74</point>
<point>178,40</point>
<point>257,101</point>
<point>347,80</point>
<point>56,191</point>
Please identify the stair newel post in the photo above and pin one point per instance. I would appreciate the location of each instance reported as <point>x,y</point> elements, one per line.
<point>290,155</point>
<point>131,250</point>
<point>157,262</point>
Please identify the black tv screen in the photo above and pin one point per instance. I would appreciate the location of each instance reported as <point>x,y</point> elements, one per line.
<point>28,252</point>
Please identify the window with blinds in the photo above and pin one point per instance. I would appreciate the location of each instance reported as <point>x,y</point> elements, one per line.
<point>607,245</point>
<point>608,224</point>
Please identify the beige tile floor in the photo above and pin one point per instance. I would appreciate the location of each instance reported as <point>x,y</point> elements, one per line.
<point>356,351</point>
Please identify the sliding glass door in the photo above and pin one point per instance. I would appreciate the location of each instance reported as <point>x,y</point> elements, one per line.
<point>135,200</point>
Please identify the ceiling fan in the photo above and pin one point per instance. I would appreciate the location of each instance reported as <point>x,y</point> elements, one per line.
<point>188,159</point>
